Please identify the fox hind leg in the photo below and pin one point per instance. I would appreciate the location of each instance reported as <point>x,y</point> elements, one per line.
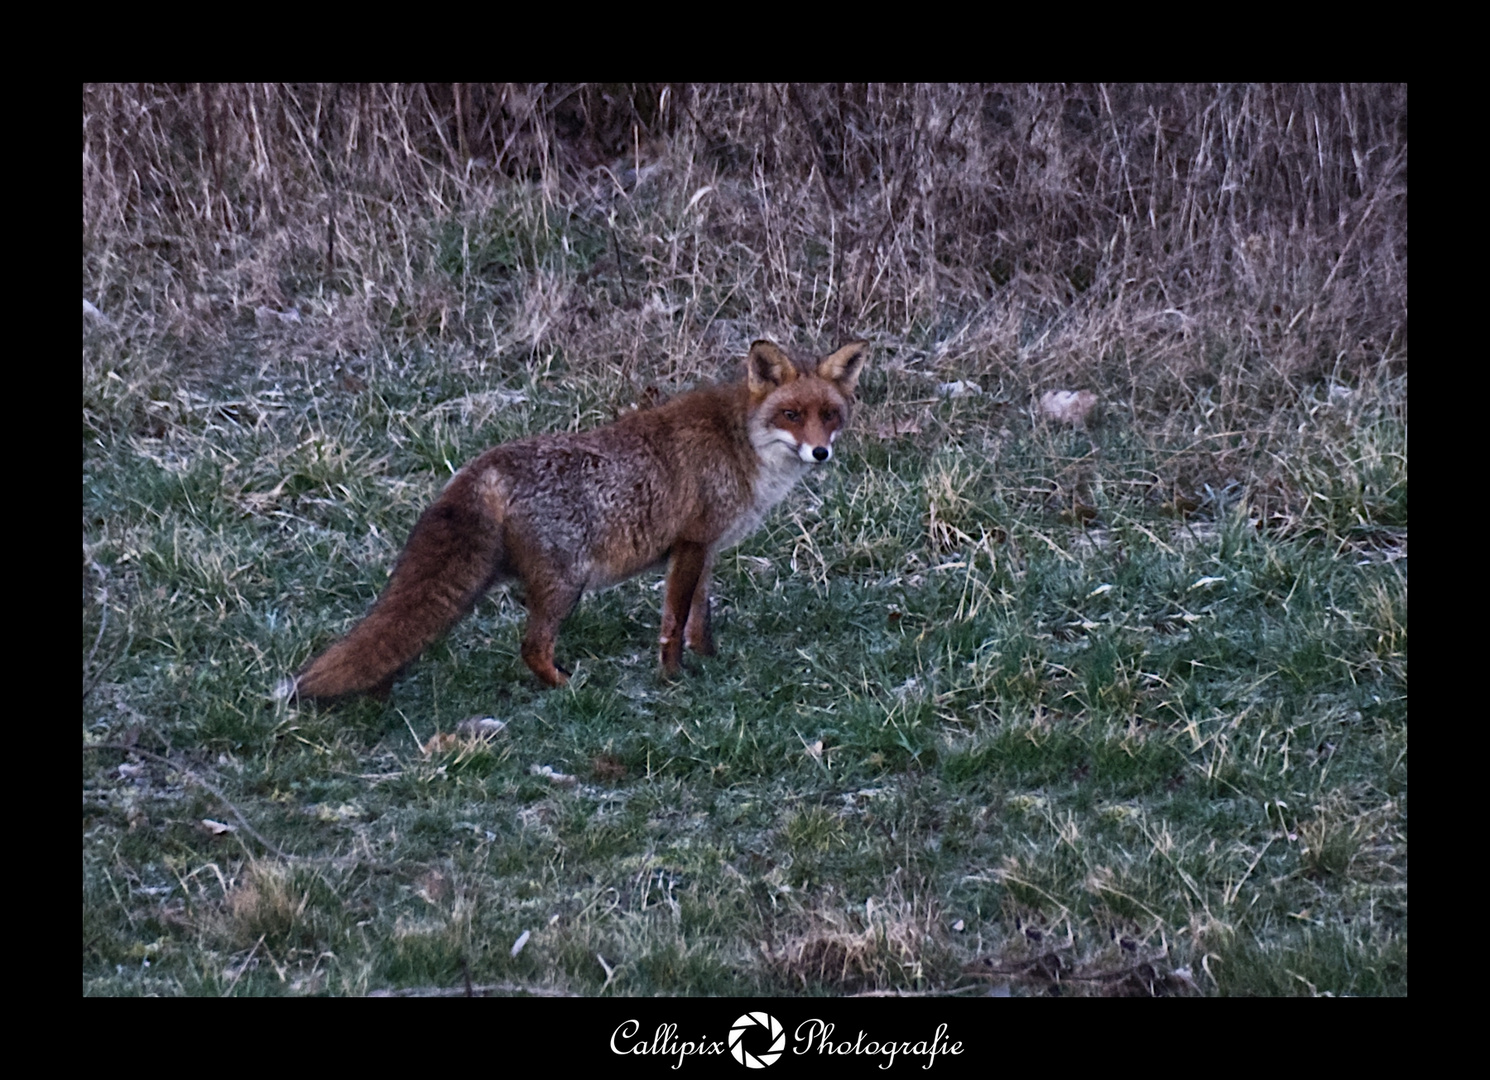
<point>548,606</point>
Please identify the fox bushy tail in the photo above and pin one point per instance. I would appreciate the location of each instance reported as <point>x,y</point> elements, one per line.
<point>453,556</point>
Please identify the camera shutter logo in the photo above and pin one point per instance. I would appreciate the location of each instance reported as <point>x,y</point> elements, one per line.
<point>760,1020</point>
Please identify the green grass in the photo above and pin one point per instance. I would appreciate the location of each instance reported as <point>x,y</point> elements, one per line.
<point>1191,733</point>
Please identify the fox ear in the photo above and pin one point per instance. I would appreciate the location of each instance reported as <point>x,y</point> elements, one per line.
<point>843,366</point>
<point>767,367</point>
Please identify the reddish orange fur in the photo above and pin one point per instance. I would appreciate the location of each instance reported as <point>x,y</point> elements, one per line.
<point>566,513</point>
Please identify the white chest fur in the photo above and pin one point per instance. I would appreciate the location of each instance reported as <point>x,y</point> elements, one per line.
<point>780,469</point>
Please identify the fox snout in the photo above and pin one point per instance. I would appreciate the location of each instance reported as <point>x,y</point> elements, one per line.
<point>810,435</point>
<point>808,446</point>
<point>808,451</point>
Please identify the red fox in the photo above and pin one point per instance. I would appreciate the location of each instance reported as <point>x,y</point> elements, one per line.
<point>565,513</point>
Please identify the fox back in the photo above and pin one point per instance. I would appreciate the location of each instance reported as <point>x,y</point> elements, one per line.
<point>567,513</point>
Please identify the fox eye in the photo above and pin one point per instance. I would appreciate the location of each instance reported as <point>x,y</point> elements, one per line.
<point>830,415</point>
<point>792,415</point>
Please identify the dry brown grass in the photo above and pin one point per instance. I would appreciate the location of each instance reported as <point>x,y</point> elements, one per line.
<point>888,942</point>
<point>1036,232</point>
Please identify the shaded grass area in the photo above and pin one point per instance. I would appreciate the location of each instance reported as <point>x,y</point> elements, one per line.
<point>1115,709</point>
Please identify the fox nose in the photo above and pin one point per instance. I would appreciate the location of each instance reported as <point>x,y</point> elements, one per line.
<point>820,452</point>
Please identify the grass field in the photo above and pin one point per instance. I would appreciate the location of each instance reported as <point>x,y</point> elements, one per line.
<point>1002,703</point>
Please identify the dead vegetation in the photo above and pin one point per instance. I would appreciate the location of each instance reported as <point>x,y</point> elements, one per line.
<point>1041,228</point>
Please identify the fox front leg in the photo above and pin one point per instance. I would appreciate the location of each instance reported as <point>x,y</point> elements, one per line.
<point>689,561</point>
<point>699,633</point>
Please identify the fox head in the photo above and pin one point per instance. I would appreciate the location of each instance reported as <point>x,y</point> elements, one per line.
<point>796,411</point>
